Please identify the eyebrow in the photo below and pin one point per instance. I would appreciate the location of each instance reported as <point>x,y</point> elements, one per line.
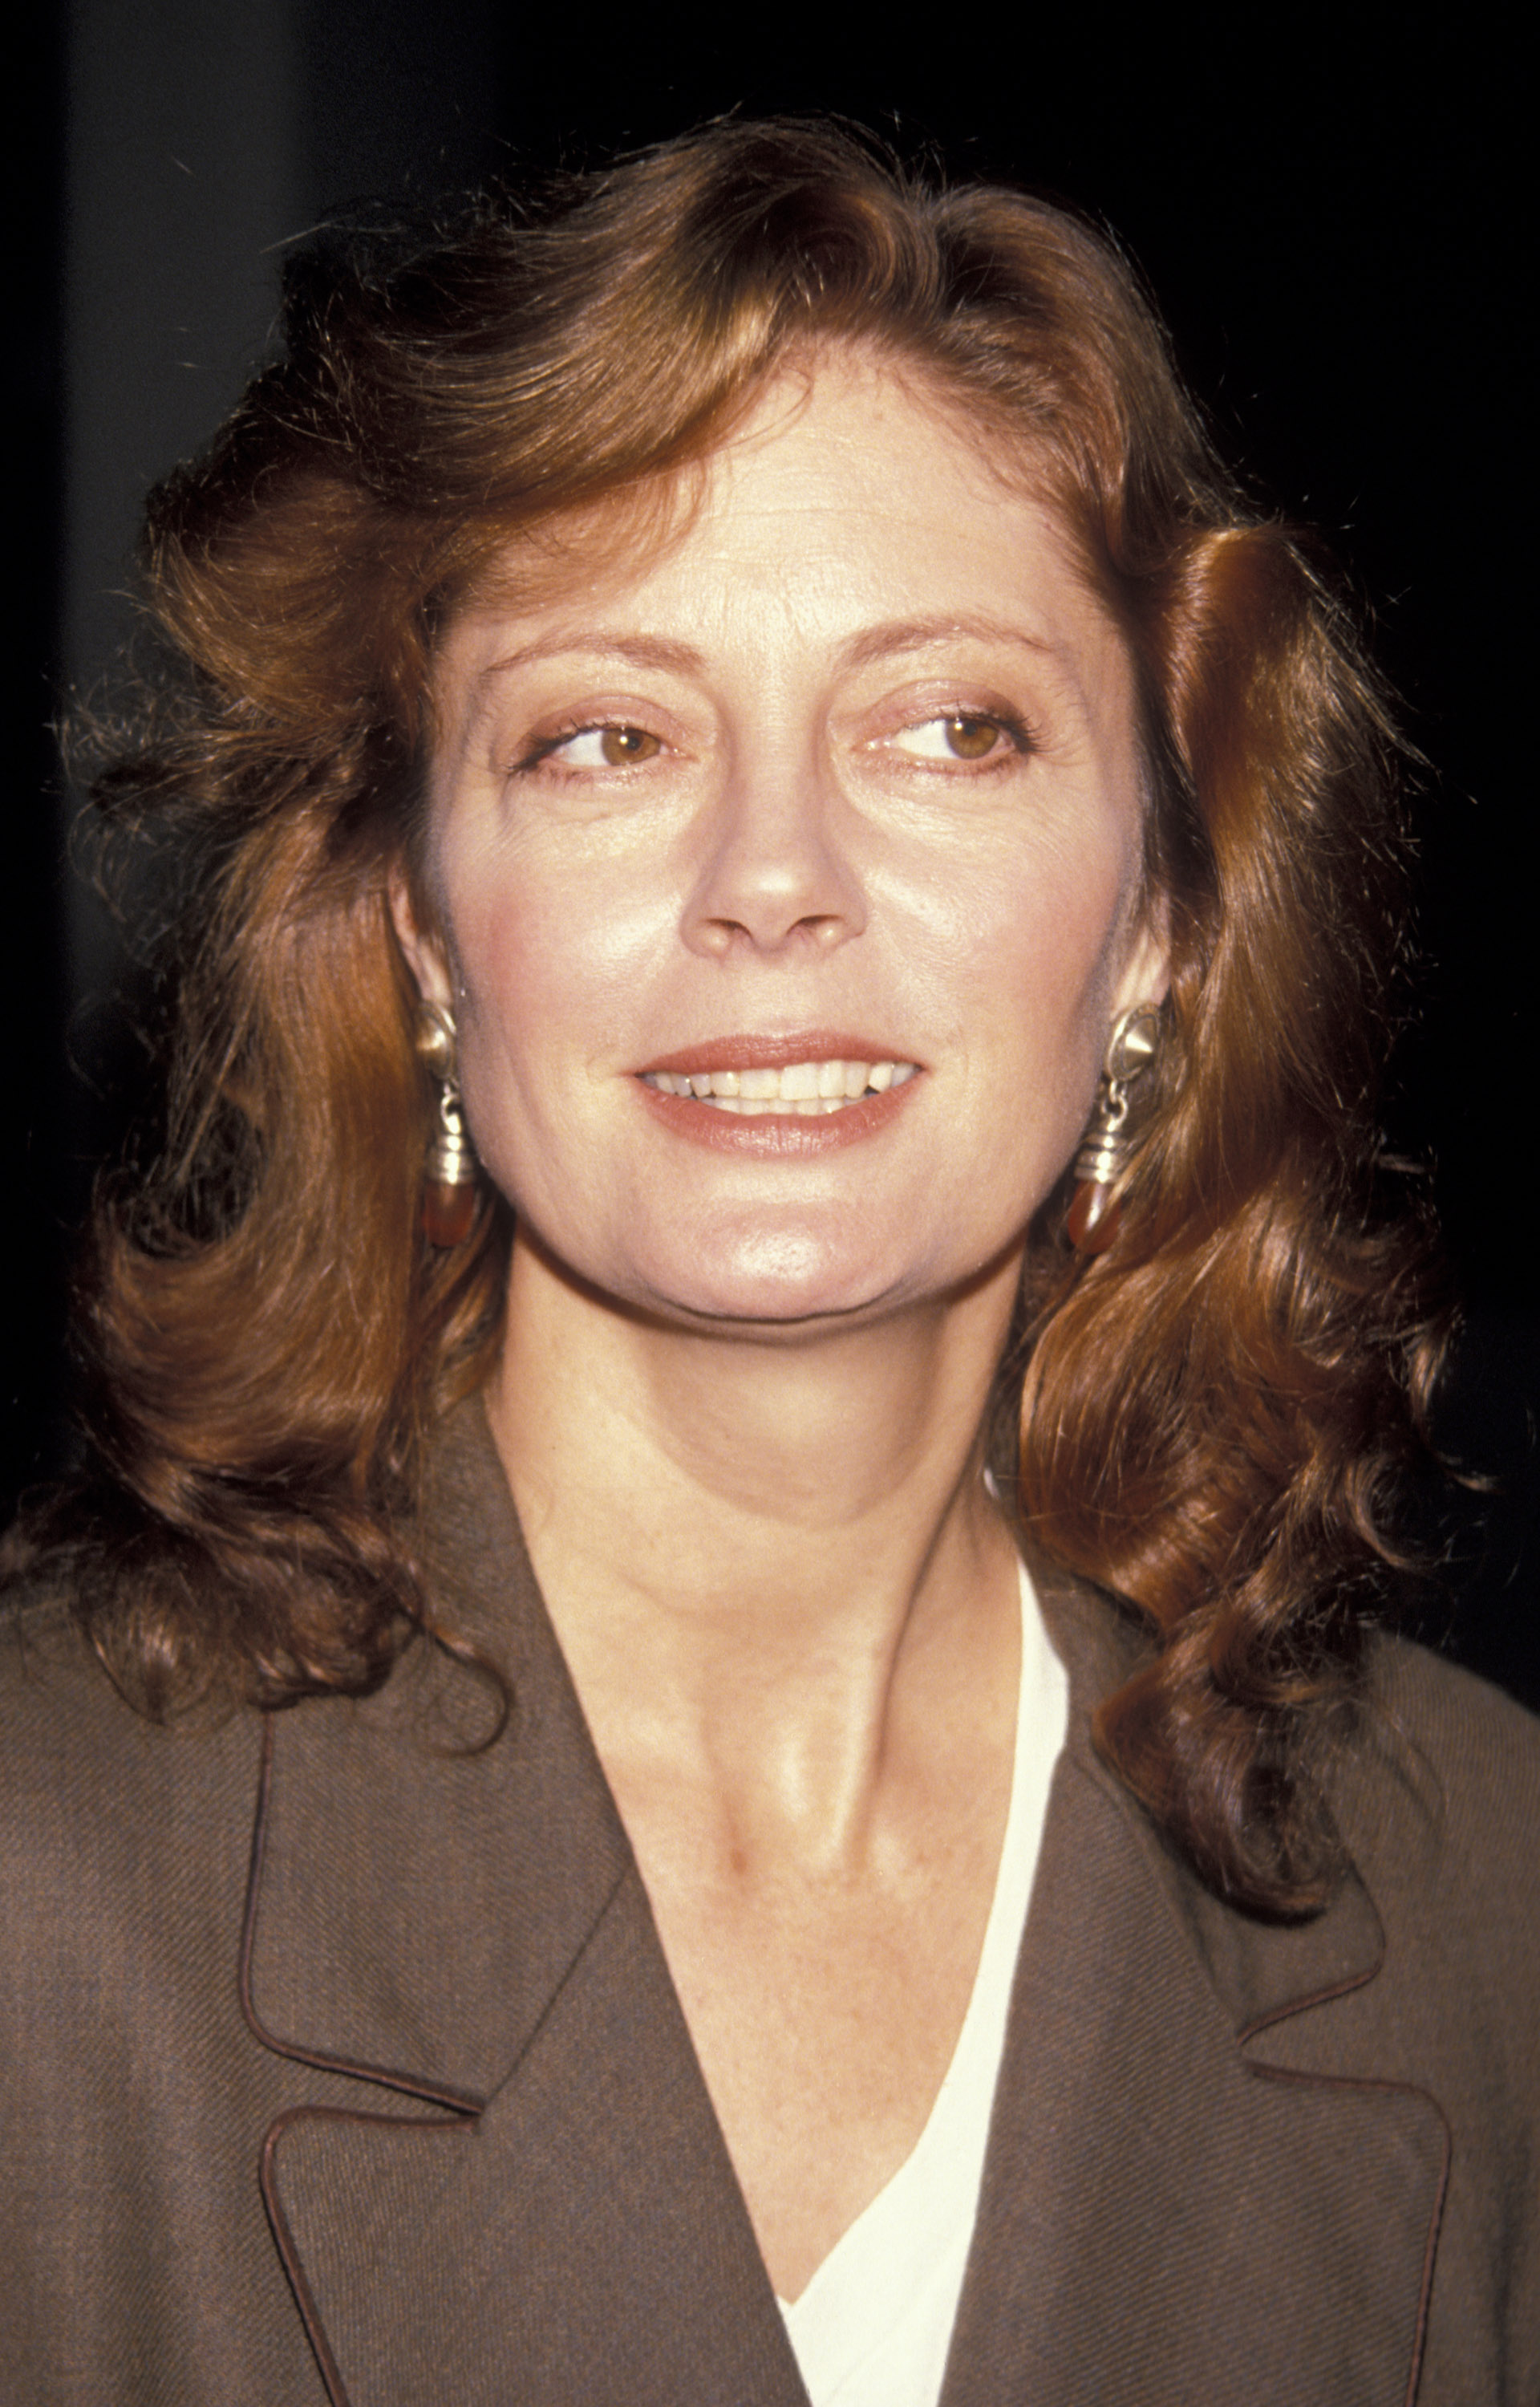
<point>640,651</point>
<point>915,635</point>
<point>893,636</point>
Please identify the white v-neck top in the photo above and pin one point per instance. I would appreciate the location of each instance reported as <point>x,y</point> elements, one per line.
<point>874,2327</point>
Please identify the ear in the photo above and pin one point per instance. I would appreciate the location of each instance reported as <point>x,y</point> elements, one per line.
<point>424,954</point>
<point>1146,973</point>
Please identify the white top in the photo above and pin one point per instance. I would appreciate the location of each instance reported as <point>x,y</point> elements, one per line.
<point>874,2327</point>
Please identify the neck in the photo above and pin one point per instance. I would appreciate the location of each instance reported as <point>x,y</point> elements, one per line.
<point>753,1541</point>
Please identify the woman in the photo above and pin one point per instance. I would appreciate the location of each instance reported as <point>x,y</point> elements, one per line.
<point>741,687</point>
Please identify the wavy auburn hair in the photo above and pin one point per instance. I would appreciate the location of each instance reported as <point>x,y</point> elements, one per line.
<point>1212,1415</point>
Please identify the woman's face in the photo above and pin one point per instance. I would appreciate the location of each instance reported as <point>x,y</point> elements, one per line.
<point>828,807</point>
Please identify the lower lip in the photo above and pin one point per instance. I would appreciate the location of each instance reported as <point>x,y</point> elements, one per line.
<point>778,1134</point>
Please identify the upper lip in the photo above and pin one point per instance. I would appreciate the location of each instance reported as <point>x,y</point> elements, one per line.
<point>772,1052</point>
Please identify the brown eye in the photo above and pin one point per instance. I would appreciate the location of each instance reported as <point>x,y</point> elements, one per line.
<point>971,740</point>
<point>977,737</point>
<point>623,747</point>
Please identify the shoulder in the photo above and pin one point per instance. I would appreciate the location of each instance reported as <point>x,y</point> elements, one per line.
<point>1447,1769</point>
<point>50,1677</point>
<point>1438,1803</point>
<point>67,1733</point>
<point>1459,1711</point>
<point>122,1837</point>
<point>58,1707</point>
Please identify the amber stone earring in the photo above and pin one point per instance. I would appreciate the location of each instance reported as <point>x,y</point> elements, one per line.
<point>449,1187</point>
<point>1107,1144</point>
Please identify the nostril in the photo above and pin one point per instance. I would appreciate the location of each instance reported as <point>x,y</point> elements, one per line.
<point>767,914</point>
<point>821,930</point>
<point>823,927</point>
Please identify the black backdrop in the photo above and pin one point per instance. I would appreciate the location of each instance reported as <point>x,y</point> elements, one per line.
<point>1328,210</point>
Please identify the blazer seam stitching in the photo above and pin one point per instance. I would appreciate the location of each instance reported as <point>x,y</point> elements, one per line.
<point>1295,2077</point>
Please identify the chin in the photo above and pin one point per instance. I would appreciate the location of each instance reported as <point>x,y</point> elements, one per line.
<point>776,1281</point>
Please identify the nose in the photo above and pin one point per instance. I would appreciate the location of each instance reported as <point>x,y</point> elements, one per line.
<point>775,872</point>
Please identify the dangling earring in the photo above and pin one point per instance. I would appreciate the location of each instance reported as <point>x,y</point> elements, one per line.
<point>449,1189</point>
<point>1108,1143</point>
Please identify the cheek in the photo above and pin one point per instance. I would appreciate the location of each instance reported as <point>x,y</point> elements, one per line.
<point>1058,940</point>
<point>548,957</point>
<point>1030,949</point>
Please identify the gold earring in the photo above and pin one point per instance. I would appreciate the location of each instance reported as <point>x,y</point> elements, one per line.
<point>1107,1145</point>
<point>449,1186</point>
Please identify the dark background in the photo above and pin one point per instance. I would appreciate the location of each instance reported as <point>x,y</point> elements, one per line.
<point>1328,210</point>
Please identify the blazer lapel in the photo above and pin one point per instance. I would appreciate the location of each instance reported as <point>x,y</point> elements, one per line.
<point>581,2238</point>
<point>543,2208</point>
<point>1167,2216</point>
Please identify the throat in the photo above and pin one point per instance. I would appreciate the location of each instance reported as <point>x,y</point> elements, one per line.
<point>825,2002</point>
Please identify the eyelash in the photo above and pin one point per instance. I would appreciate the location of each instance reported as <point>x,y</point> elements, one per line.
<point>543,750</point>
<point>1019,738</point>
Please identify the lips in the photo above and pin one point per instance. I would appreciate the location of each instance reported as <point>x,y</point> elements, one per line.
<point>782,1094</point>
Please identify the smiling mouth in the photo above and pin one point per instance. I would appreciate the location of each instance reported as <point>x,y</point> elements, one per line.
<point>802,1089</point>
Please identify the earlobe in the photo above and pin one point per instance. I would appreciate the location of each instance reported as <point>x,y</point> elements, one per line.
<point>424,952</point>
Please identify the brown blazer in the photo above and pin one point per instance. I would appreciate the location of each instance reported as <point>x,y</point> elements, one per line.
<point>338,2062</point>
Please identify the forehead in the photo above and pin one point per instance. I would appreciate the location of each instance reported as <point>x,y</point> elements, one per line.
<point>849,495</point>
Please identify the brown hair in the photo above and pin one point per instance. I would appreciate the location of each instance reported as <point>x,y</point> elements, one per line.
<point>1212,1414</point>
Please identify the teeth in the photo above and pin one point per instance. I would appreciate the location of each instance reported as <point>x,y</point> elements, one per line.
<point>804,1088</point>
